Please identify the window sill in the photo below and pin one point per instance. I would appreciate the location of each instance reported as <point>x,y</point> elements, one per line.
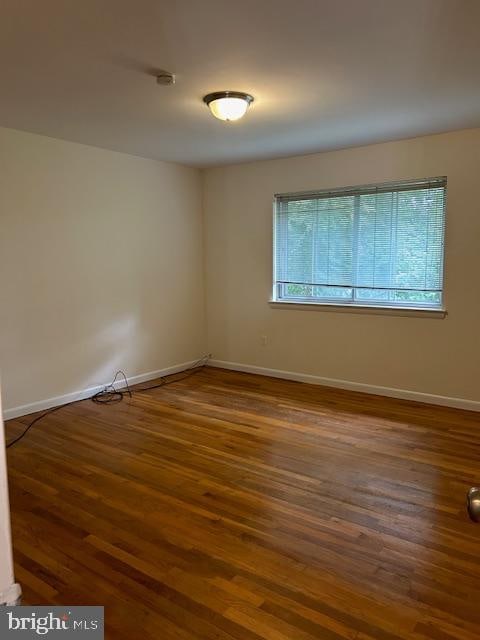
<point>416,312</point>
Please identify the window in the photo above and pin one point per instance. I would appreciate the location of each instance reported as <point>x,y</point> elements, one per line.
<point>379,245</point>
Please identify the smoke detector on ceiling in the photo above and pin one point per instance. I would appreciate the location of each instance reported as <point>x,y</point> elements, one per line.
<point>165,78</point>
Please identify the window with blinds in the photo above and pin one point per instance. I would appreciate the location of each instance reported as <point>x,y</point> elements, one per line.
<point>379,245</point>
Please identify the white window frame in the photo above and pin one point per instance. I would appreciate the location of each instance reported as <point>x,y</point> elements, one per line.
<point>353,303</point>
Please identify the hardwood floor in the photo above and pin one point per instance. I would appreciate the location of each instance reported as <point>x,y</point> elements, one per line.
<point>230,505</point>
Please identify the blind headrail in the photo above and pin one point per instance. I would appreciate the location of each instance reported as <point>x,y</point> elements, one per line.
<point>386,187</point>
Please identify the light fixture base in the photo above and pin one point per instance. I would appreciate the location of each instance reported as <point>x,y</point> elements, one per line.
<point>218,95</point>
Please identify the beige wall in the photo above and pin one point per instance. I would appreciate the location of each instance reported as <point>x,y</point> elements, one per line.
<point>100,266</point>
<point>426,355</point>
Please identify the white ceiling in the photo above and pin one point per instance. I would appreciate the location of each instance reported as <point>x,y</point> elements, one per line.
<point>324,73</point>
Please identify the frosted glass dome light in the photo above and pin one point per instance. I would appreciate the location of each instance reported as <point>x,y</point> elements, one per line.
<point>228,105</point>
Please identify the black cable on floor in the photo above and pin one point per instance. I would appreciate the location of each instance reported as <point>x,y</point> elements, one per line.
<point>111,395</point>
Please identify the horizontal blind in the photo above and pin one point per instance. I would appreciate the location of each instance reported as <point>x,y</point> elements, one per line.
<point>374,244</point>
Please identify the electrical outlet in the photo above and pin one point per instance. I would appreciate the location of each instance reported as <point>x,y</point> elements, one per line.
<point>263,340</point>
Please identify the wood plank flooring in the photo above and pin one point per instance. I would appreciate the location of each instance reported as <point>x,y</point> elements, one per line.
<point>234,506</point>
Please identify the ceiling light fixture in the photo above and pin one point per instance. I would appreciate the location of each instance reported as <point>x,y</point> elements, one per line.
<point>228,105</point>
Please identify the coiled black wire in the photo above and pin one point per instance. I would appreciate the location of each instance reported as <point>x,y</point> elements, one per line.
<point>111,395</point>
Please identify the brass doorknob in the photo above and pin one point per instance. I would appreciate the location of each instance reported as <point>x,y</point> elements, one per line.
<point>473,503</point>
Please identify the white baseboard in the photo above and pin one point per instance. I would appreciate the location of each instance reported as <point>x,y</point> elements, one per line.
<point>41,405</point>
<point>403,394</point>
